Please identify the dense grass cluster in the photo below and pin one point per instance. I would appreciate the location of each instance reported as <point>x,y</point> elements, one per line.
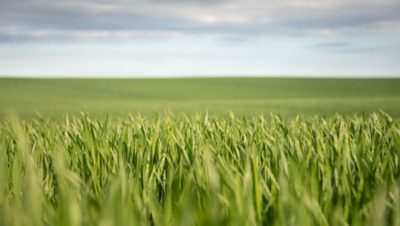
<point>197,170</point>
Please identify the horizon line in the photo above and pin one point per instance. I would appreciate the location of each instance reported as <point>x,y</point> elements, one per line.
<point>199,76</point>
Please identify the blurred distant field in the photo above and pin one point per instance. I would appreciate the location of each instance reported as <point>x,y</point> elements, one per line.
<point>243,96</point>
<point>194,169</point>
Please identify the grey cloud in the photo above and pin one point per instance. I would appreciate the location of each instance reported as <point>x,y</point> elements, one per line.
<point>347,47</point>
<point>330,45</point>
<point>237,17</point>
<point>197,2</point>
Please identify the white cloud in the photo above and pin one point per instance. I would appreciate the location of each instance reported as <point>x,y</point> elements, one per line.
<point>181,37</point>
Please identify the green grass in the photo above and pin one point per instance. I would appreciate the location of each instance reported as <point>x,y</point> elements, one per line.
<point>243,96</point>
<point>341,170</point>
<point>200,152</point>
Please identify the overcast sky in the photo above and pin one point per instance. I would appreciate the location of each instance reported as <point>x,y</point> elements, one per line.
<point>199,37</point>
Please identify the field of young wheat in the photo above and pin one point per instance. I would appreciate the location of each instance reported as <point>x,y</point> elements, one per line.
<point>200,170</point>
<point>217,96</point>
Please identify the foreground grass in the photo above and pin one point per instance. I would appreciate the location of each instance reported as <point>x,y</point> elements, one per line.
<point>167,170</point>
<point>243,96</point>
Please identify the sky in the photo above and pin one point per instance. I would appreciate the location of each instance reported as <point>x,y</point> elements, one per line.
<point>164,38</point>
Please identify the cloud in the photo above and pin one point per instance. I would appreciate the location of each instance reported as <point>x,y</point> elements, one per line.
<point>333,45</point>
<point>75,20</point>
<point>344,47</point>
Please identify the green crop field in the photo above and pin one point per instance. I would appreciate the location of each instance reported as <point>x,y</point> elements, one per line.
<point>226,151</point>
<point>217,96</point>
<point>197,170</point>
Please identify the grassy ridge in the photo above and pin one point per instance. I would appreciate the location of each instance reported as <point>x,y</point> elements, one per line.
<point>244,96</point>
<point>200,171</point>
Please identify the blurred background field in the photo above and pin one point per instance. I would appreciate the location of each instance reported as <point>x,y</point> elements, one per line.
<point>242,96</point>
